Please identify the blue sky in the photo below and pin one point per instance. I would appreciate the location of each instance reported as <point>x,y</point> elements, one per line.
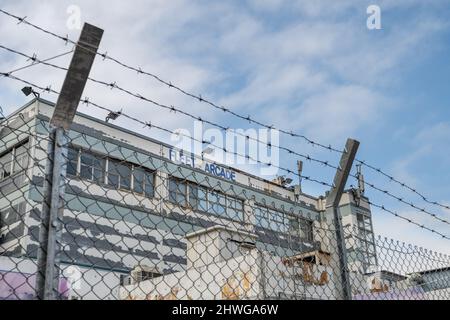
<point>309,66</point>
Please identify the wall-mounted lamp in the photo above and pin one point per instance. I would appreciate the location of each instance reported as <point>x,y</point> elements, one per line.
<point>113,115</point>
<point>29,90</point>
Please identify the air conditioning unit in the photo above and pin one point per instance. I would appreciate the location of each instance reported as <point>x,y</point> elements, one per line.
<point>144,272</point>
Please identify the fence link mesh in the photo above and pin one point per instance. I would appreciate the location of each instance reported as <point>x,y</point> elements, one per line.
<point>135,224</point>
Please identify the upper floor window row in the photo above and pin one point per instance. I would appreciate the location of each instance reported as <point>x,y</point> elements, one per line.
<point>112,172</point>
<point>278,221</point>
<point>188,194</point>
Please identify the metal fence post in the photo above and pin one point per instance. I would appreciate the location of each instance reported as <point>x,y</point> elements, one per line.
<point>51,220</point>
<point>332,203</point>
<point>48,269</point>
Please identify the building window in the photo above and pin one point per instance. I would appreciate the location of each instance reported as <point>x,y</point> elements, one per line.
<point>271,219</point>
<point>143,181</point>
<point>5,165</point>
<point>217,203</point>
<point>178,191</point>
<point>12,214</point>
<point>185,193</point>
<point>14,160</point>
<point>72,162</point>
<point>198,197</point>
<point>261,215</point>
<point>235,208</point>
<point>278,221</point>
<point>92,167</point>
<point>306,230</point>
<point>20,158</point>
<point>363,221</point>
<point>119,174</point>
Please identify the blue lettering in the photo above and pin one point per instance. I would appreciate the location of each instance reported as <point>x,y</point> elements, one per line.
<point>172,154</point>
<point>220,172</point>
<point>180,157</point>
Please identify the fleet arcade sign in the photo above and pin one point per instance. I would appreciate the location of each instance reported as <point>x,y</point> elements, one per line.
<point>185,158</point>
<point>220,171</point>
<point>181,157</point>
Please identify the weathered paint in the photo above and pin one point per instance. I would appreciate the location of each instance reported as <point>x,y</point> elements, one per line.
<point>112,230</point>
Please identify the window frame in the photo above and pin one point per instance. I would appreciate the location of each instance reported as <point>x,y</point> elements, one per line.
<point>194,202</point>
<point>12,161</point>
<point>306,229</point>
<point>149,174</point>
<point>93,167</point>
<point>178,191</point>
<point>5,173</point>
<point>217,203</point>
<point>120,177</point>
<point>77,161</point>
<point>291,224</point>
<point>25,154</point>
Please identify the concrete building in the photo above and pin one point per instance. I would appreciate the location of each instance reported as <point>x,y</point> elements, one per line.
<point>238,270</point>
<point>133,204</point>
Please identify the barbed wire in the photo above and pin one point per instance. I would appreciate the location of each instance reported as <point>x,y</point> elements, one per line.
<point>382,207</point>
<point>34,59</point>
<point>150,125</point>
<point>105,56</point>
<point>404,185</point>
<point>139,70</point>
<point>172,108</point>
<point>383,246</point>
<point>175,109</point>
<point>396,197</point>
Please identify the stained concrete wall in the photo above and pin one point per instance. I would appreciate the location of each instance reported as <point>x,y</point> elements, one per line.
<point>111,231</point>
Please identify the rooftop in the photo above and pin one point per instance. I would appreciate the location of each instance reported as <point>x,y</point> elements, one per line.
<point>309,198</point>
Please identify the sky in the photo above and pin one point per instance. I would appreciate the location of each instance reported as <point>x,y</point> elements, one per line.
<point>312,67</point>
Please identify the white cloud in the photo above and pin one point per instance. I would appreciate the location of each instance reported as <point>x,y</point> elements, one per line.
<point>323,74</point>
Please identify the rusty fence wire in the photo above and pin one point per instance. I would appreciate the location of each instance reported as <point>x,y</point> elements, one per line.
<point>136,225</point>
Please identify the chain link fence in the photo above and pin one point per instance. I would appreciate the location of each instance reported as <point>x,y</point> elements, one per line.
<point>136,223</point>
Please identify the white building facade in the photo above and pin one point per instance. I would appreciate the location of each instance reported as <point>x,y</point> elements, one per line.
<point>131,202</point>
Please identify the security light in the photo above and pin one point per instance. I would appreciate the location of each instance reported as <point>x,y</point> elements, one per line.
<point>113,115</point>
<point>29,90</point>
